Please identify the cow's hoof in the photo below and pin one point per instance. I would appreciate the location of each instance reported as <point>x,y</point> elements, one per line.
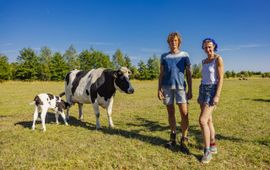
<point>99,128</point>
<point>111,126</point>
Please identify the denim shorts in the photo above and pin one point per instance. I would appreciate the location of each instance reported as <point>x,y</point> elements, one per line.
<point>170,94</point>
<point>207,93</point>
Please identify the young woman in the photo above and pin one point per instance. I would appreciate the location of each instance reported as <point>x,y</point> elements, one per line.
<point>209,95</point>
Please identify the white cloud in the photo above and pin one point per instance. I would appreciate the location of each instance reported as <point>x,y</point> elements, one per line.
<point>6,44</point>
<point>96,43</point>
<point>239,47</point>
<point>150,50</point>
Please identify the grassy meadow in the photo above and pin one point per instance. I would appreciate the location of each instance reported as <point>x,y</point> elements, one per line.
<point>241,121</point>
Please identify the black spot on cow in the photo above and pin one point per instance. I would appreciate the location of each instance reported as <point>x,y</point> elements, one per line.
<point>57,98</point>
<point>62,105</point>
<point>104,86</point>
<point>50,96</point>
<point>77,79</point>
<point>87,92</point>
<point>38,101</point>
<point>67,78</point>
<point>122,82</point>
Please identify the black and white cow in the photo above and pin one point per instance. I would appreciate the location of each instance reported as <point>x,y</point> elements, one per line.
<point>45,101</point>
<point>96,87</point>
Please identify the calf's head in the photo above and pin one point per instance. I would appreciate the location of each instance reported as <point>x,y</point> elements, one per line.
<point>122,82</point>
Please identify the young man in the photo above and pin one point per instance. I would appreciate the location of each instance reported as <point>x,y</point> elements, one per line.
<point>172,86</point>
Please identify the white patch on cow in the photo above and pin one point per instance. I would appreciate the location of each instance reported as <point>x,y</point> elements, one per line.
<point>109,112</point>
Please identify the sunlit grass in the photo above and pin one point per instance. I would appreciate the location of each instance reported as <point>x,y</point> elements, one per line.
<point>241,120</point>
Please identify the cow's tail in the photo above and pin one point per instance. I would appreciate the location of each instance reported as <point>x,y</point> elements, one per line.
<point>62,94</point>
<point>37,101</point>
<point>33,102</point>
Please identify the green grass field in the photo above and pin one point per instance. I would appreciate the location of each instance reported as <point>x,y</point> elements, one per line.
<point>241,121</point>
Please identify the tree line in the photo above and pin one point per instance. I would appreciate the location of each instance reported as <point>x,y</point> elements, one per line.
<point>49,66</point>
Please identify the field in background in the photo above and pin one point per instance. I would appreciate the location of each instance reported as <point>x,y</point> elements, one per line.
<point>241,121</point>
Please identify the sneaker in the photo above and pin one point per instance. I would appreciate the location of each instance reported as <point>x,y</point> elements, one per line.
<point>184,145</point>
<point>213,148</point>
<point>170,144</point>
<point>207,156</point>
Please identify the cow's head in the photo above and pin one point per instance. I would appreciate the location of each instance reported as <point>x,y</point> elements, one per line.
<point>122,82</point>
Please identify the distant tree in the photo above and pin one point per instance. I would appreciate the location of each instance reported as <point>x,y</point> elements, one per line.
<point>135,73</point>
<point>100,59</point>
<point>142,68</point>
<point>118,59</point>
<point>71,58</point>
<point>45,61</point>
<point>233,74</point>
<point>228,74</point>
<point>153,67</point>
<point>128,63</point>
<point>58,67</point>
<point>85,60</point>
<point>197,71</point>
<point>5,71</point>
<point>28,67</point>
<point>13,69</point>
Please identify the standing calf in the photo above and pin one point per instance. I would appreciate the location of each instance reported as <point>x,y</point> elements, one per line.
<point>47,101</point>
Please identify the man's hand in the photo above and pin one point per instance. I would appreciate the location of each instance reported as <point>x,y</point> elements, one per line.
<point>160,94</point>
<point>189,95</point>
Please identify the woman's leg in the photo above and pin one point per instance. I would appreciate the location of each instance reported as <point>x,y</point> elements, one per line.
<point>205,117</point>
<point>212,129</point>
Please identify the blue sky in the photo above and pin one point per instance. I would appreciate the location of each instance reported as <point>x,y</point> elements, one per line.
<point>140,28</point>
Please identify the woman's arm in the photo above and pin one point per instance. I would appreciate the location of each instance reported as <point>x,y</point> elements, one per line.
<point>220,72</point>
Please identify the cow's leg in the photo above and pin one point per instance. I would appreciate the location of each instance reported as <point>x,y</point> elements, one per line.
<point>68,113</point>
<point>43,117</point>
<point>80,111</point>
<point>109,112</point>
<point>35,117</point>
<point>64,117</point>
<point>96,110</point>
<point>56,117</point>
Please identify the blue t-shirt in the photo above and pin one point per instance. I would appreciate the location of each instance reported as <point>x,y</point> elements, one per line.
<point>174,67</point>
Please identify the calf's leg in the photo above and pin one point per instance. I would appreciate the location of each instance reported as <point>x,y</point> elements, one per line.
<point>35,117</point>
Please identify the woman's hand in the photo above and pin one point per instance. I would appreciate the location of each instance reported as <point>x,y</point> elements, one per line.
<point>160,94</point>
<point>215,100</point>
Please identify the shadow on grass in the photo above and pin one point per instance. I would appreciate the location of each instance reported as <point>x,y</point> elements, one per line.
<point>50,119</point>
<point>149,125</point>
<point>195,131</point>
<point>257,100</point>
<point>261,100</point>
